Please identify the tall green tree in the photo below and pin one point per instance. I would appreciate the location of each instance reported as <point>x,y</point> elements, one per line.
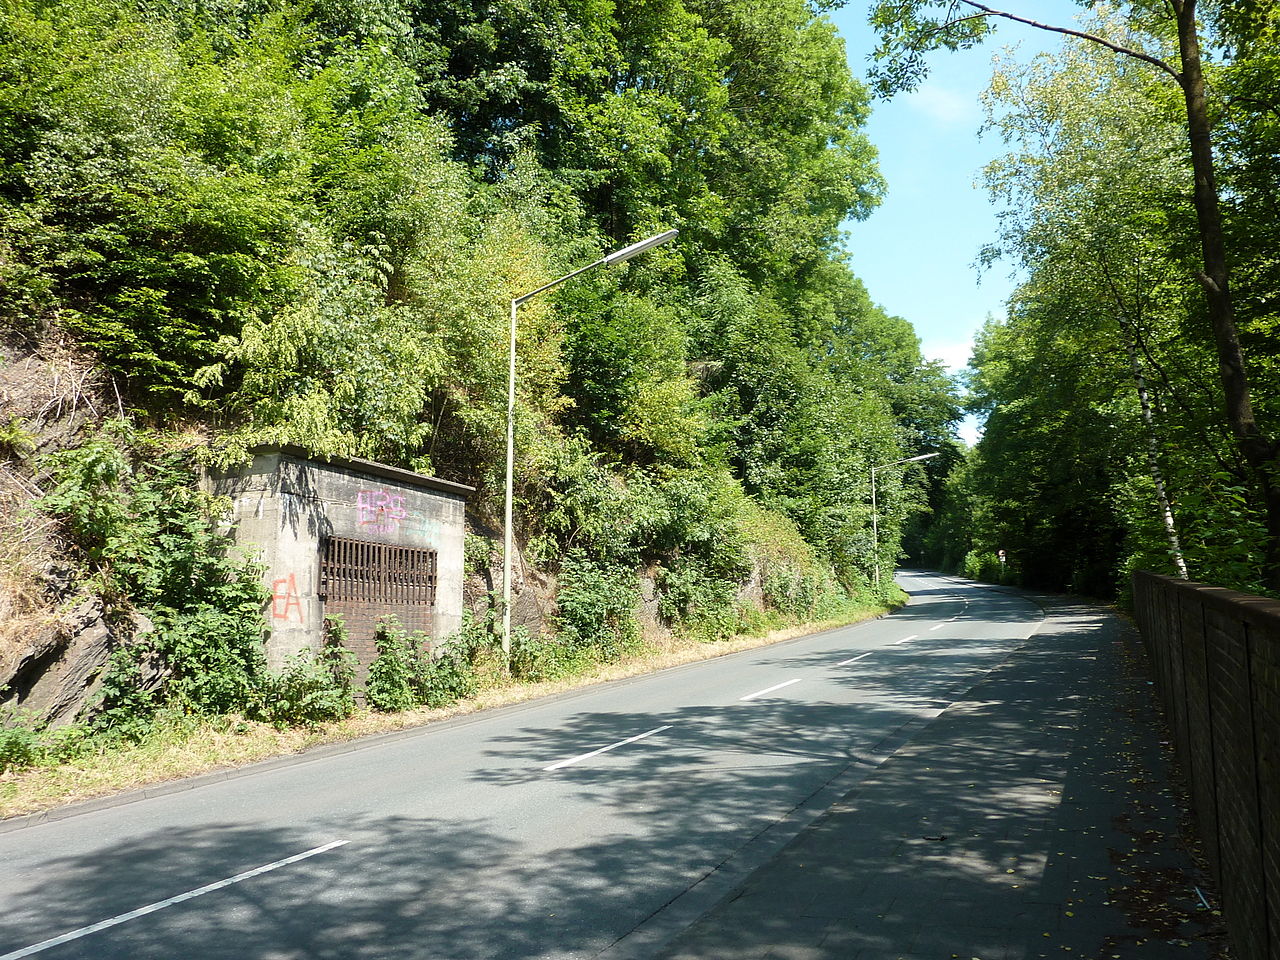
<point>910,29</point>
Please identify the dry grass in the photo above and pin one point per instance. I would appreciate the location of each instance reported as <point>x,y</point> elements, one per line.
<point>25,547</point>
<point>51,396</point>
<point>229,743</point>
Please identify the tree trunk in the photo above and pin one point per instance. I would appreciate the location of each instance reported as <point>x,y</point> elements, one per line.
<point>1153,462</point>
<point>1258,450</point>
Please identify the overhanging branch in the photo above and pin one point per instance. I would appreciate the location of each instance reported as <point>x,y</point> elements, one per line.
<point>1080,34</point>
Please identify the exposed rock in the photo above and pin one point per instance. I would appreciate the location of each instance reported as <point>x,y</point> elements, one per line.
<point>59,672</point>
<point>58,581</point>
<point>52,648</point>
<point>534,605</point>
<point>648,614</point>
<point>62,664</point>
<point>533,593</point>
<point>751,593</point>
<point>58,395</point>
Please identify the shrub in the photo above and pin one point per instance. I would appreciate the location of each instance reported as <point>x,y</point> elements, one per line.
<point>19,745</point>
<point>394,672</point>
<point>147,538</point>
<point>407,674</point>
<point>791,591</point>
<point>983,565</point>
<point>597,605</point>
<point>312,690</point>
<point>125,707</point>
<point>24,743</point>
<point>537,658</point>
<point>447,673</point>
<point>702,606</point>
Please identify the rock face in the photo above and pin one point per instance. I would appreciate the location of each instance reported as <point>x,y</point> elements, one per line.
<point>648,610</point>
<point>533,605</point>
<point>52,647</point>
<point>62,665</point>
<point>56,676</point>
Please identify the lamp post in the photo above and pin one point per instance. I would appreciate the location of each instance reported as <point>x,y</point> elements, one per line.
<point>875,516</point>
<point>608,260</point>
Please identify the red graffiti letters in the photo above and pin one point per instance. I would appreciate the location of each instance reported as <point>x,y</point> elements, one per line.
<point>285,599</point>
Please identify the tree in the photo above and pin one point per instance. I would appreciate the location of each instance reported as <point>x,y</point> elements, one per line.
<point>909,28</point>
<point>1092,212</point>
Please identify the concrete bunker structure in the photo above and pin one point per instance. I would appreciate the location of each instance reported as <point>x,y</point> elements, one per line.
<point>349,538</point>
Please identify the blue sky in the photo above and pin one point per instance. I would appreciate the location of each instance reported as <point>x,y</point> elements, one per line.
<point>917,252</point>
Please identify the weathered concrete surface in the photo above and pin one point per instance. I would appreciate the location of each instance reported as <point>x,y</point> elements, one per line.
<point>284,506</point>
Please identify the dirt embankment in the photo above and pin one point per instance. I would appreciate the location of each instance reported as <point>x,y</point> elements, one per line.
<point>53,642</point>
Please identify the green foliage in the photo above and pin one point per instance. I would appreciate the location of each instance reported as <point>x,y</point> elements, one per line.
<point>477,553</point>
<point>1225,531</point>
<point>451,676</point>
<point>24,742</point>
<point>539,658</point>
<point>15,440</point>
<point>1099,215</point>
<point>984,565</point>
<point>1101,220</point>
<point>311,689</point>
<point>597,604</point>
<point>147,539</point>
<point>311,220</point>
<point>408,672</point>
<point>703,606</point>
<point>146,203</point>
<point>304,223</point>
<point>127,704</point>
<point>394,675</point>
<point>19,743</point>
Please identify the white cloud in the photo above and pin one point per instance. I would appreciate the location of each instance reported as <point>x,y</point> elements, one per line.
<point>970,430</point>
<point>944,106</point>
<point>953,354</point>
<point>955,357</point>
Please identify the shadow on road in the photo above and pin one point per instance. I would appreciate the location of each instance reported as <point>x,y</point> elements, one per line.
<point>1000,776</point>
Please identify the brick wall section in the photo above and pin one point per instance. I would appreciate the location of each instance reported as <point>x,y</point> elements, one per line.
<point>1217,662</point>
<point>360,618</point>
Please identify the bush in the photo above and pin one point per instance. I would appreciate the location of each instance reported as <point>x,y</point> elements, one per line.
<point>394,672</point>
<point>538,658</point>
<point>597,606</point>
<point>313,690</point>
<point>407,673</point>
<point>23,743</point>
<point>19,746</point>
<point>447,674</point>
<point>147,538</point>
<point>701,606</point>
<point>983,565</point>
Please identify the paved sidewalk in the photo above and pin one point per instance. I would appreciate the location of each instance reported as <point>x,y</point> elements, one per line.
<point>1033,818</point>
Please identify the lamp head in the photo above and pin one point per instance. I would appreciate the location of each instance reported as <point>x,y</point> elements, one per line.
<point>626,253</point>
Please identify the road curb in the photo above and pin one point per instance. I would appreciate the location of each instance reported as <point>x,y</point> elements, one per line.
<point>325,750</point>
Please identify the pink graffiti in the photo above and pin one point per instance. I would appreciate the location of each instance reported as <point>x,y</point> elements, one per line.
<point>379,510</point>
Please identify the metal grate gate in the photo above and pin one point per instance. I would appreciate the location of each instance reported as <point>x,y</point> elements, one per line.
<point>363,581</point>
<point>365,570</point>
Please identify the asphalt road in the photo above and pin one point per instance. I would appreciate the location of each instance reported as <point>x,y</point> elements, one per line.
<point>598,823</point>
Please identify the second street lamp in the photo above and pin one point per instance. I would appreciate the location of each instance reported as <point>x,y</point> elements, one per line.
<point>608,260</point>
<point>875,516</point>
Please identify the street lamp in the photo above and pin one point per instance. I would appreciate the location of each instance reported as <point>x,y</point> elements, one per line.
<point>875,516</point>
<point>608,260</point>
